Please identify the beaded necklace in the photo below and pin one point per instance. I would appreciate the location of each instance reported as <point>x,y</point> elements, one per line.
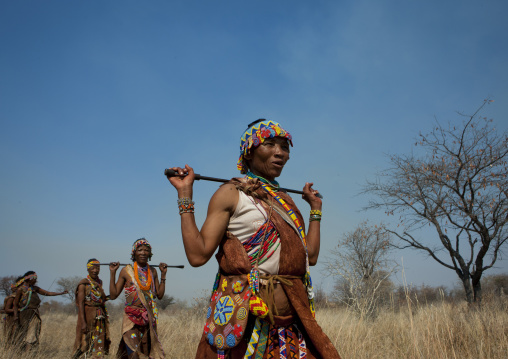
<point>26,294</point>
<point>148,284</point>
<point>289,211</point>
<point>95,291</point>
<point>274,184</point>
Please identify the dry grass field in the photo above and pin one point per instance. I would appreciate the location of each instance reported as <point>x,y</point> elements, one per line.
<point>418,331</point>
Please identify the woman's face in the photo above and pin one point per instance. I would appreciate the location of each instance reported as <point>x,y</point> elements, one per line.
<point>269,158</point>
<point>142,254</point>
<point>32,281</point>
<point>94,271</point>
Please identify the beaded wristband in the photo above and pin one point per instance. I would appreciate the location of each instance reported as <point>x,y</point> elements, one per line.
<point>184,200</point>
<point>316,211</point>
<point>186,209</point>
<point>185,205</point>
<point>315,217</point>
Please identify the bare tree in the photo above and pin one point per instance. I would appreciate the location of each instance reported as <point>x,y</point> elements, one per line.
<point>69,284</point>
<point>321,298</point>
<point>495,284</point>
<point>361,265</point>
<point>5,284</point>
<point>458,186</point>
<point>166,301</point>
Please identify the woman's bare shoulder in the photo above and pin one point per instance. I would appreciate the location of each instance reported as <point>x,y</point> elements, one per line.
<point>226,197</point>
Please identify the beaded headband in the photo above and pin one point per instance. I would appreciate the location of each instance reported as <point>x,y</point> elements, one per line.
<point>140,242</point>
<point>18,283</point>
<point>30,276</point>
<point>255,135</point>
<point>92,263</point>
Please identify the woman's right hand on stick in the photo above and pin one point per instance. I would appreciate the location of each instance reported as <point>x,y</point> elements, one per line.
<point>184,181</point>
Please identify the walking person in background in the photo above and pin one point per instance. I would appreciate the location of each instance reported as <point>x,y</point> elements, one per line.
<point>264,256</point>
<point>92,329</point>
<point>27,320</point>
<point>8,311</point>
<point>141,285</point>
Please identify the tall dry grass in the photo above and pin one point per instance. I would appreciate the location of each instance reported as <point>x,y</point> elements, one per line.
<point>417,331</point>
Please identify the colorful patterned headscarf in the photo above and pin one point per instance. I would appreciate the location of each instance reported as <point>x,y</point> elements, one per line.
<point>140,242</point>
<point>256,134</point>
<point>92,262</point>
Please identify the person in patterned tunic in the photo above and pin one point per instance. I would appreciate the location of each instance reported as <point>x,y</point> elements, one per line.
<point>27,321</point>
<point>141,285</point>
<point>262,240</point>
<point>92,329</point>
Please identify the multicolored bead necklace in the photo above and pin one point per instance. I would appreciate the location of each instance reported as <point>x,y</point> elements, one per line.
<point>26,296</point>
<point>148,284</point>
<point>95,291</point>
<point>274,184</point>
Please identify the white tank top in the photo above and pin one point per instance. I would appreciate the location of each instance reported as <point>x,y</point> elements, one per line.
<point>245,221</point>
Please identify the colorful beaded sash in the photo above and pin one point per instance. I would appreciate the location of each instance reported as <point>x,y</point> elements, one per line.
<point>289,210</point>
<point>301,232</point>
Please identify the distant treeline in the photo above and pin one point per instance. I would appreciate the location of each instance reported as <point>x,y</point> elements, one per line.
<point>392,296</point>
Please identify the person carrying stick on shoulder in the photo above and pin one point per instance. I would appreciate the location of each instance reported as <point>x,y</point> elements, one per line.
<point>142,286</point>
<point>262,301</point>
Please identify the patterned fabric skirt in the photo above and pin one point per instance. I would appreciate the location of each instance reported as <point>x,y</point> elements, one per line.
<point>272,341</point>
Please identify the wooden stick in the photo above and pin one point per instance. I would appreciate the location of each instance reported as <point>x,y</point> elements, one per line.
<point>170,173</point>
<point>152,265</point>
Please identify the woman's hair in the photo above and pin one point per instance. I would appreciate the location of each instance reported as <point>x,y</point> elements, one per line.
<point>28,273</point>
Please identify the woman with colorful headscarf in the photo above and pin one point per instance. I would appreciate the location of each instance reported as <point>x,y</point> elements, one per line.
<point>92,329</point>
<point>26,311</point>
<point>141,285</point>
<point>262,300</point>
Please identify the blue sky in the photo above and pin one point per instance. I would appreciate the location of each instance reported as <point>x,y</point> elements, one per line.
<point>97,98</point>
